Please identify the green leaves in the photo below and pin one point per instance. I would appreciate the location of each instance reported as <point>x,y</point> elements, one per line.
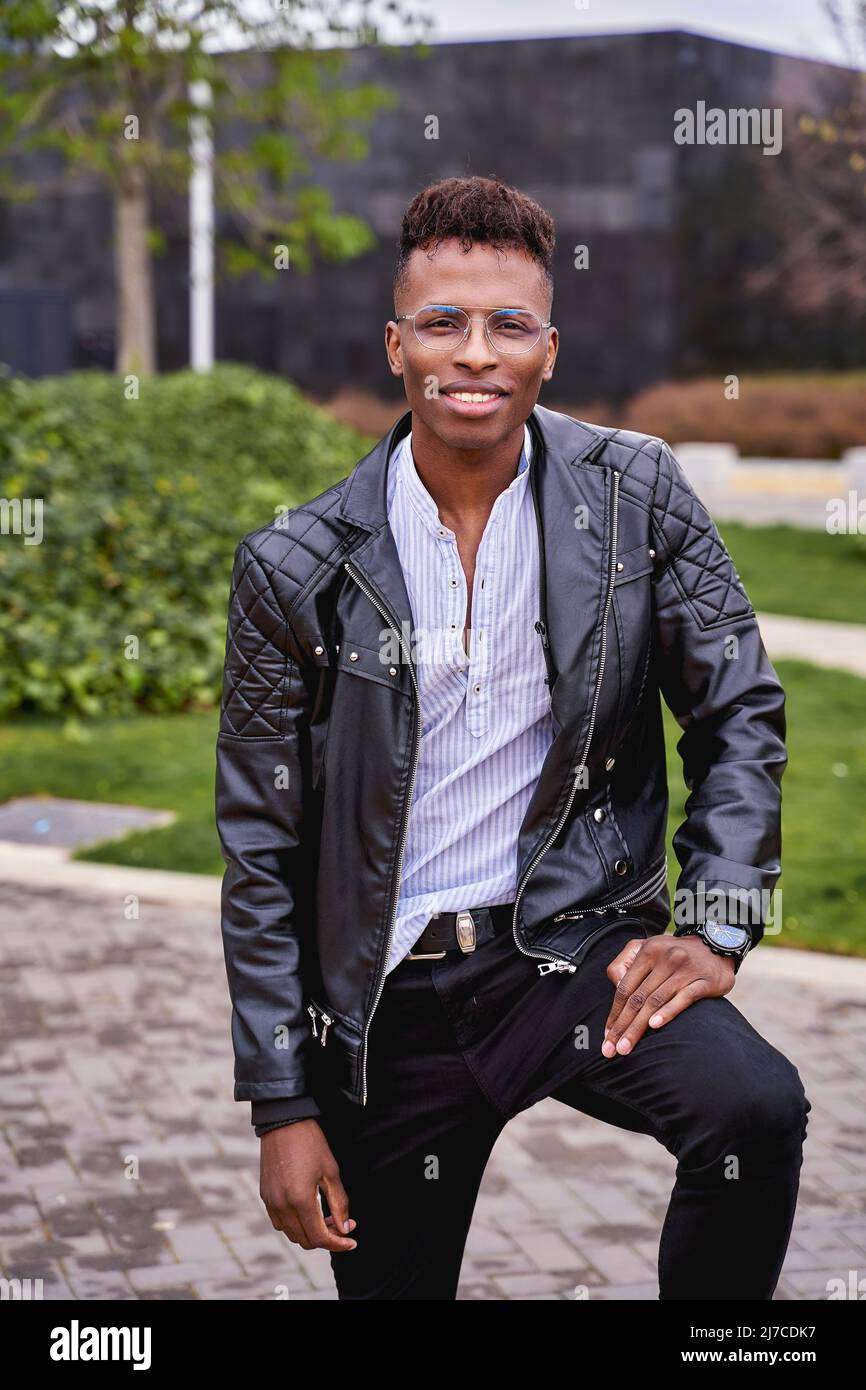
<point>143,504</point>
<point>106,87</point>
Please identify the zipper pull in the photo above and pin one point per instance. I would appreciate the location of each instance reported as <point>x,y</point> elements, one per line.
<point>541,628</point>
<point>560,965</point>
<point>327,1021</point>
<point>312,1012</point>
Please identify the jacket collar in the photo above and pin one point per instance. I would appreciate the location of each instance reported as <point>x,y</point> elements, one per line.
<point>573,500</point>
<point>556,437</point>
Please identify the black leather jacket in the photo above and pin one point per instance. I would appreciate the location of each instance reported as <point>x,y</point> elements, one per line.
<point>319,742</point>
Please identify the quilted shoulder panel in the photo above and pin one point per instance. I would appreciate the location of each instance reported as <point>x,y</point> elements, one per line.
<point>690,543</point>
<point>300,544</point>
<point>257,653</point>
<point>274,566</point>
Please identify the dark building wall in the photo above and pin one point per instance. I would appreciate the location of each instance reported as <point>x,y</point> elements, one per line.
<point>583,124</point>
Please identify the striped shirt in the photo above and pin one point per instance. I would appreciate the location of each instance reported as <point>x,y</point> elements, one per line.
<point>485,717</point>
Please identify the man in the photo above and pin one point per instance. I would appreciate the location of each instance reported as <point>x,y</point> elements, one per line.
<point>442,803</point>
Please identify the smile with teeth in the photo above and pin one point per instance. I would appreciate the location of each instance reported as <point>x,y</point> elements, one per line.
<point>473,396</point>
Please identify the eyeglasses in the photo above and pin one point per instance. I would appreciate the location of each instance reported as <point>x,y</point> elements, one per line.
<point>443,327</point>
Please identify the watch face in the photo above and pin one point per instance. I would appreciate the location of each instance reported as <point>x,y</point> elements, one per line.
<point>729,938</point>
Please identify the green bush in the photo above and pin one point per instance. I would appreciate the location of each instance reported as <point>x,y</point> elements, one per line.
<point>143,504</point>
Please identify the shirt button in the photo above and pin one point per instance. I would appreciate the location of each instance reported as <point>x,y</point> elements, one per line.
<point>477,688</point>
<point>440,531</point>
<point>453,583</point>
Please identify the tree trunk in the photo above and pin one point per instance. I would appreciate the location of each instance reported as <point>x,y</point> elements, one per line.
<point>136,338</point>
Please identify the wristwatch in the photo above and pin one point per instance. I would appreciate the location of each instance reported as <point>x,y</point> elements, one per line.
<point>724,940</point>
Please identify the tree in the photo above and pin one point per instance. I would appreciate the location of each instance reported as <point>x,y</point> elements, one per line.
<point>106,85</point>
<point>816,189</point>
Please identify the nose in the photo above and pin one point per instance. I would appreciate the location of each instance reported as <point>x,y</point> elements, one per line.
<point>475,348</point>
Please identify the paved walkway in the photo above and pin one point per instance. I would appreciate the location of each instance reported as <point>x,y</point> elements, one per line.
<point>127,1171</point>
<point>839,645</point>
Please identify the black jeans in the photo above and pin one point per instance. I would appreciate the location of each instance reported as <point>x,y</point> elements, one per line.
<point>459,1045</point>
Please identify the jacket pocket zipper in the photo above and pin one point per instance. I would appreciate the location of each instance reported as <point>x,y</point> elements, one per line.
<point>312,1010</point>
<point>584,945</point>
<point>634,897</point>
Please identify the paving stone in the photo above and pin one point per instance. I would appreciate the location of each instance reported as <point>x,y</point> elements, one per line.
<point>627,1293</point>
<point>547,1250</point>
<point>486,1240</point>
<point>618,1264</point>
<point>528,1285</point>
<point>89,1285</point>
<point>186,1273</point>
<point>197,1242</point>
<point>117,1043</point>
<point>321,1295</point>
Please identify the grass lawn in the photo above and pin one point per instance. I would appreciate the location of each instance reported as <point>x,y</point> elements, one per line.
<point>162,761</point>
<point>168,762</point>
<point>808,574</point>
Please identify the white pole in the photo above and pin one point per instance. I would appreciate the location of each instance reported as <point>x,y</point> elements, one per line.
<point>201,256</point>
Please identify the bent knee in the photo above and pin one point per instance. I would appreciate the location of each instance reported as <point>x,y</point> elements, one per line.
<point>762,1110</point>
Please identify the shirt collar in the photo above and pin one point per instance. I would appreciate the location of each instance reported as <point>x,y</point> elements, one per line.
<point>403,466</point>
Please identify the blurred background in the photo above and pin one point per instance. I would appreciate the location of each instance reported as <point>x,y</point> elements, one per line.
<point>711,293</point>
<point>199,213</point>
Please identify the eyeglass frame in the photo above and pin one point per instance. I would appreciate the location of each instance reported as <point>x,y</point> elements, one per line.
<point>471,317</point>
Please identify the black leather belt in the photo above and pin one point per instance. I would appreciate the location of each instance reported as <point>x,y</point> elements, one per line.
<point>460,931</point>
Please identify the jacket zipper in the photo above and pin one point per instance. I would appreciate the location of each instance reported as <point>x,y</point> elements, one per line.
<point>541,629</point>
<point>554,962</point>
<point>541,624</point>
<point>585,944</point>
<point>326,1020</point>
<point>636,895</point>
<point>396,626</point>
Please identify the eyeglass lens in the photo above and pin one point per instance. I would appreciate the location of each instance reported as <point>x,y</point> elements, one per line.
<point>444,325</point>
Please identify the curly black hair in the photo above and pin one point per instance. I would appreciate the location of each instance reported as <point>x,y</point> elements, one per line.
<point>476,209</point>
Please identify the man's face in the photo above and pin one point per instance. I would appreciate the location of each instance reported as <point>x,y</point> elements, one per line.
<point>477,280</point>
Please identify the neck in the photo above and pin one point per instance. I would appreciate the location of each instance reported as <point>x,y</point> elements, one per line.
<point>464,483</point>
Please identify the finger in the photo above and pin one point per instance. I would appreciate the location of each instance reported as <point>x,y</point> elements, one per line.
<point>338,1199</point>
<point>689,994</point>
<point>286,1221</point>
<point>320,1237</point>
<point>644,1003</point>
<point>618,969</point>
<point>641,966</point>
<point>332,1225</point>
<point>623,959</point>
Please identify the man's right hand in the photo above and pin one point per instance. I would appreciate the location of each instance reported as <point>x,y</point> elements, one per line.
<point>296,1161</point>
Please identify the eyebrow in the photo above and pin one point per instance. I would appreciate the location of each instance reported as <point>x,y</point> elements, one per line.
<point>492,308</point>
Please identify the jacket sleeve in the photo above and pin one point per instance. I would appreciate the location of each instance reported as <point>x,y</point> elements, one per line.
<point>718,681</point>
<point>259,816</point>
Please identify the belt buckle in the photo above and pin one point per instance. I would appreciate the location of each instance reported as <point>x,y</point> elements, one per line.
<point>426,955</point>
<point>466,932</point>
